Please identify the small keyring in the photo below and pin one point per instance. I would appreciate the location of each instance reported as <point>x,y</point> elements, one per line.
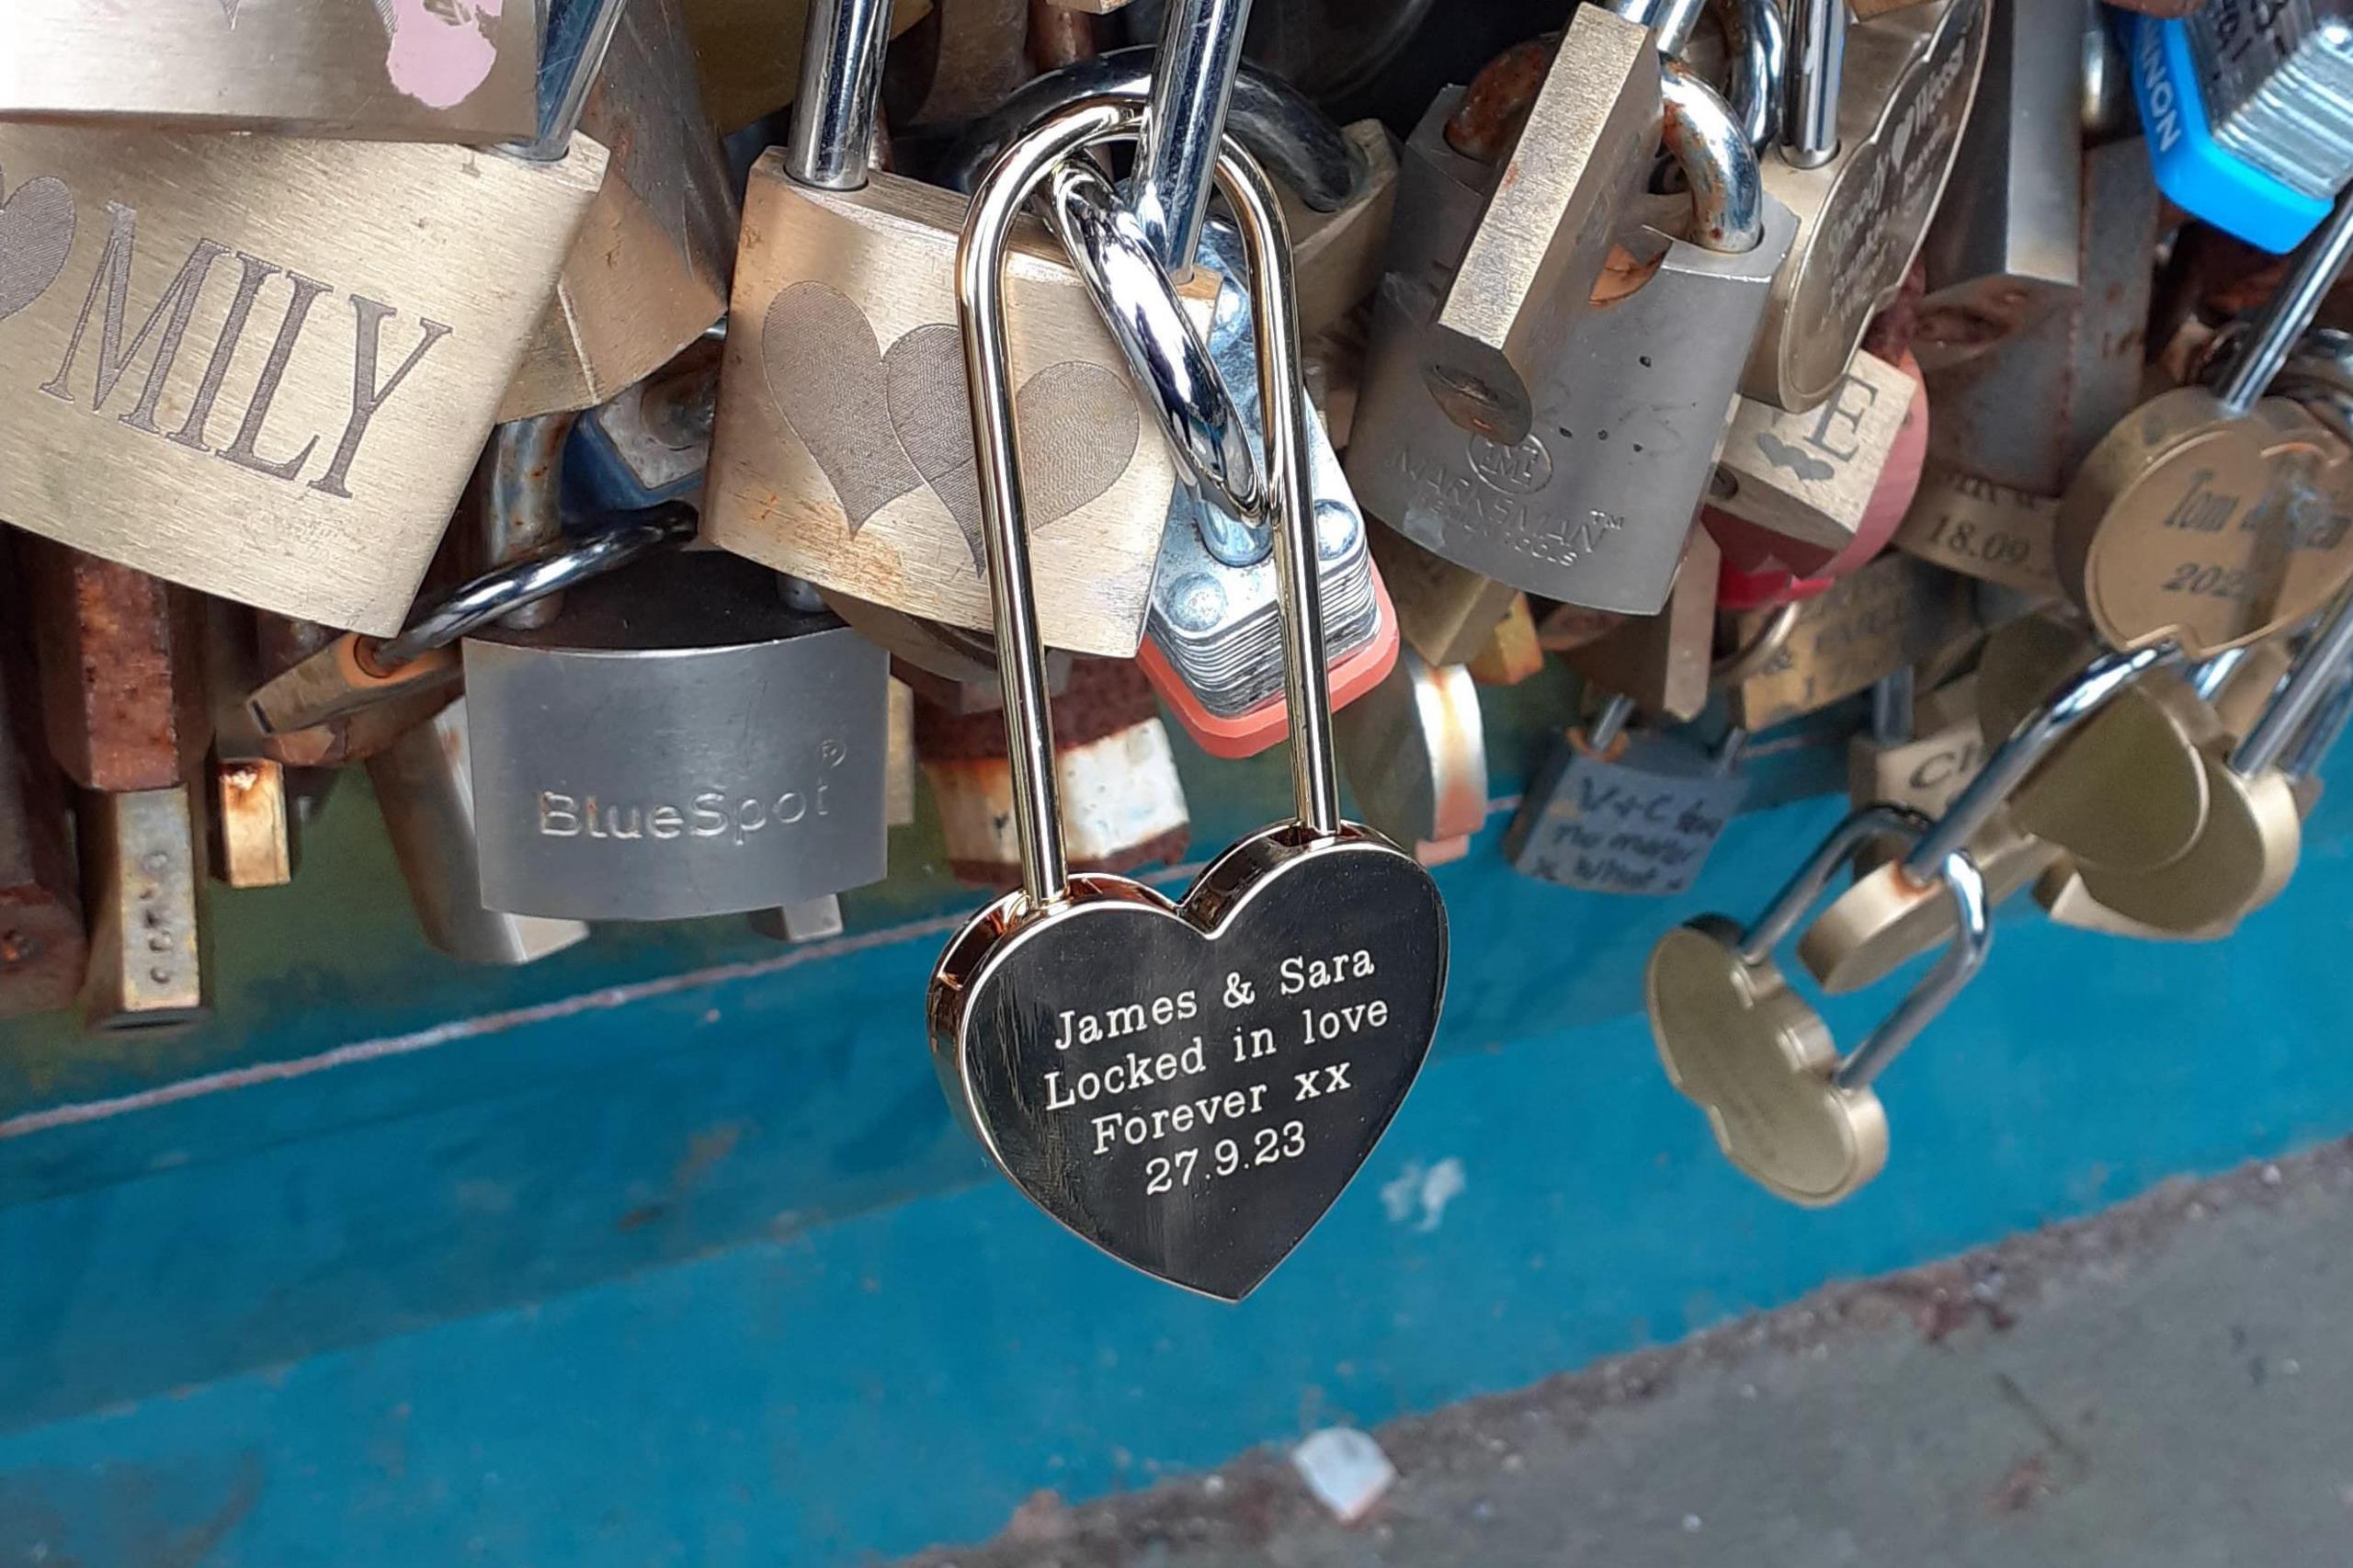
<point>551,570</point>
<point>1757,651</point>
<point>1176,379</point>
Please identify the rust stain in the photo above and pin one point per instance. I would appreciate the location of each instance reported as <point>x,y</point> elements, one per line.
<point>1495,105</point>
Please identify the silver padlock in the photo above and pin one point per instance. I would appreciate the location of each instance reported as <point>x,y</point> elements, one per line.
<point>1213,636</point>
<point>1593,505</point>
<point>424,785</point>
<point>679,742</point>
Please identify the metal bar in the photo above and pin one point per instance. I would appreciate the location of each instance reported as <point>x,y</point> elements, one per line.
<point>1797,894</point>
<point>2101,680</point>
<point>2307,681</point>
<point>2289,309</point>
<point>1184,124</point>
<point>1810,95</point>
<point>840,102</point>
<point>1972,940</point>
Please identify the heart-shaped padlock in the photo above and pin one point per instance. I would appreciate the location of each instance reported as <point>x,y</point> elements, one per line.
<point>1189,1084</point>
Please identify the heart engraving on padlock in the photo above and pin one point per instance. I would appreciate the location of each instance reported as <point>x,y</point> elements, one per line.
<point>880,424</point>
<point>825,370</point>
<point>1737,1043</point>
<point>36,224</point>
<point>1076,446</point>
<point>1190,1086</point>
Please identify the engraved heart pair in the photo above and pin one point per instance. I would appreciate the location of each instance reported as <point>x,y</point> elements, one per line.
<point>36,236</point>
<point>880,424</point>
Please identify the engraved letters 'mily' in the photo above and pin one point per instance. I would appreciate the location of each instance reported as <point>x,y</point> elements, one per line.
<point>167,325</point>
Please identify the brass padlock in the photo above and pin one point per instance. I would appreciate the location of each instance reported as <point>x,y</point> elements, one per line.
<point>1891,613</point>
<point>263,366</point>
<point>843,453</point>
<point>649,270</point>
<point>398,70</point>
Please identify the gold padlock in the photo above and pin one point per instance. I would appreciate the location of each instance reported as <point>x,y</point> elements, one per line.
<point>399,70</point>
<point>749,52</point>
<point>843,453</point>
<point>263,366</point>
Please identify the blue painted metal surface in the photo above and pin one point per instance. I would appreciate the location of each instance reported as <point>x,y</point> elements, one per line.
<point>668,1251</point>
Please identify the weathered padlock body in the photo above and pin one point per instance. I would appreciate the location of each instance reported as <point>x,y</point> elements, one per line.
<point>1893,612</point>
<point>649,270</point>
<point>1584,509</point>
<point>1538,247</point>
<point>1983,528</point>
<point>1909,78</point>
<point>1638,817</point>
<point>678,743</point>
<point>405,72</point>
<point>1414,750</point>
<point>1810,477</point>
<point>842,453</point>
<point>2022,393</point>
<point>259,366</point>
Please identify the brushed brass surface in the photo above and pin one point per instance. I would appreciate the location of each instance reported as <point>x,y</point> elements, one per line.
<point>1974,526</point>
<point>1885,919</point>
<point>1545,232</point>
<point>1511,652</point>
<point>2062,893</point>
<point>1906,94</point>
<point>842,453</point>
<point>262,367</point>
<point>463,72</point>
<point>649,269</point>
<point>1927,770</point>
<point>1445,612</point>
<point>2242,857</point>
<point>2188,523</point>
<point>2128,790</point>
<point>1811,476</point>
<point>1736,1041</point>
<point>1891,612</point>
<point>1665,660</point>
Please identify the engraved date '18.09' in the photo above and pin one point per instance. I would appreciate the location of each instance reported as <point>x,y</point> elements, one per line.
<point>1205,1104</point>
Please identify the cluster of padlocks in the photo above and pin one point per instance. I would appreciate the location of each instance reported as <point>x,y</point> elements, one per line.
<point>594,420</point>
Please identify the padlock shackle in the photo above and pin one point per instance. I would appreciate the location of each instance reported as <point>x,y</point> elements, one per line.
<point>2101,680</point>
<point>2289,309</point>
<point>998,200</point>
<point>561,565</point>
<point>571,56</point>
<point>1771,928</point>
<point>1710,145</point>
<point>1966,953</point>
<point>1184,125</point>
<point>1817,65</point>
<point>840,101</point>
<point>1176,376</point>
<point>2309,680</point>
<point>1893,722</point>
<point>523,508</point>
<point>1758,40</point>
<point>1280,125</point>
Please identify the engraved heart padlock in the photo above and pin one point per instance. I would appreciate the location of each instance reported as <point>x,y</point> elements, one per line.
<point>1188,1086</point>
